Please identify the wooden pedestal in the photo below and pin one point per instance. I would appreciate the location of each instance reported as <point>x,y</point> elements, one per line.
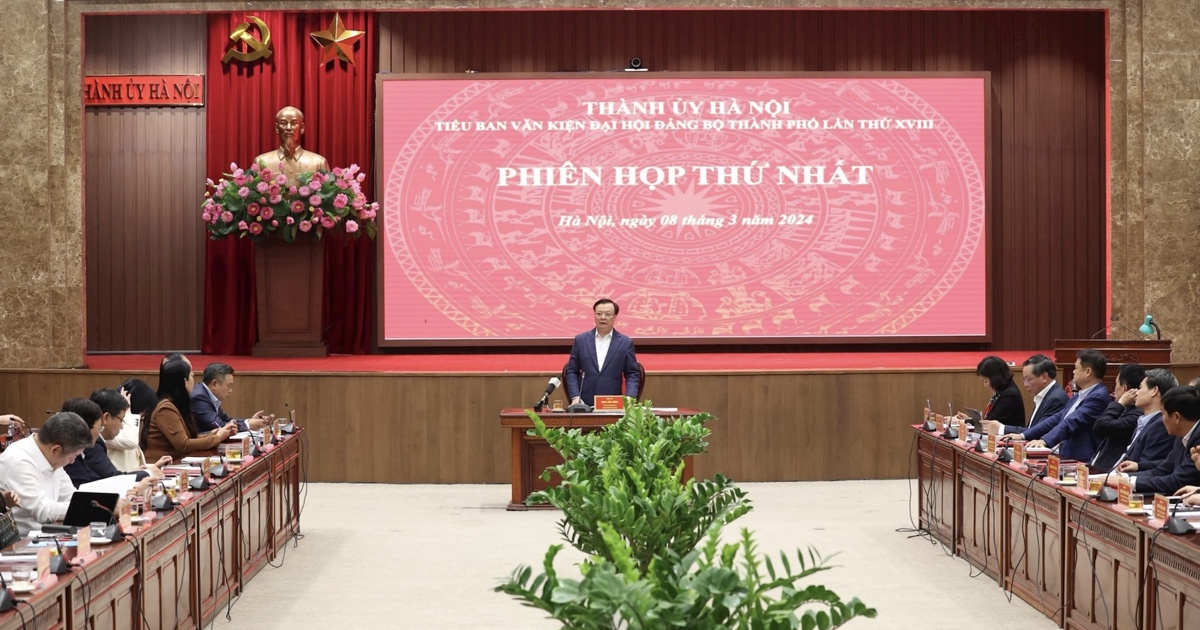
<point>289,289</point>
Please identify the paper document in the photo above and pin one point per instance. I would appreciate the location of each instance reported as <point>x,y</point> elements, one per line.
<point>116,485</point>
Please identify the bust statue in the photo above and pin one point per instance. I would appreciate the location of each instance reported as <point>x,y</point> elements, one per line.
<point>290,159</point>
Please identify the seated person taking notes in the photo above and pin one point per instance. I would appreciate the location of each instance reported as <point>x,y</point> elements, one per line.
<point>93,464</point>
<point>601,359</point>
<point>33,470</point>
<point>1072,427</point>
<point>215,390</point>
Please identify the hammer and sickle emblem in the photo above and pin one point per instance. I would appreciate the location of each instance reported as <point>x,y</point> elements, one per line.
<point>257,49</point>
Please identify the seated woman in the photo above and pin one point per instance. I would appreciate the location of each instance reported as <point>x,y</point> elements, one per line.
<point>125,450</point>
<point>171,430</point>
<point>1006,405</point>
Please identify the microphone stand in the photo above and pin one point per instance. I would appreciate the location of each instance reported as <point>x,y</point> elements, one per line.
<point>1176,525</point>
<point>8,601</point>
<point>59,564</point>
<point>113,530</point>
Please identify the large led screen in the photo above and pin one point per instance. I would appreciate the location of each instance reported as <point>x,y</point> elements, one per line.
<point>711,208</point>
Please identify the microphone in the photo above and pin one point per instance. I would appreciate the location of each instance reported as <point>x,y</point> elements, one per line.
<point>929,425</point>
<point>113,531</point>
<point>59,564</point>
<point>550,387</point>
<point>951,432</point>
<point>7,599</point>
<point>290,427</point>
<point>162,502</point>
<point>219,470</point>
<point>1176,525</point>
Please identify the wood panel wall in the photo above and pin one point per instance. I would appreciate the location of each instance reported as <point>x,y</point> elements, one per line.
<point>1048,135</point>
<point>445,428</point>
<point>143,184</point>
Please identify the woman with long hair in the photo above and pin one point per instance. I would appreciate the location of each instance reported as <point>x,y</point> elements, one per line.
<point>171,429</point>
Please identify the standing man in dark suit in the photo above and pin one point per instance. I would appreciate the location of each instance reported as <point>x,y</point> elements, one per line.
<point>1073,426</point>
<point>601,359</point>
<point>1037,376</point>
<point>214,390</point>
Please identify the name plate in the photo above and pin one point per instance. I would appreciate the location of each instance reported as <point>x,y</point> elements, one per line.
<point>993,436</point>
<point>927,415</point>
<point>1162,507</point>
<point>1081,475</point>
<point>941,422</point>
<point>84,539</point>
<point>610,403</point>
<point>1019,451</point>
<point>1052,464</point>
<point>1124,489</point>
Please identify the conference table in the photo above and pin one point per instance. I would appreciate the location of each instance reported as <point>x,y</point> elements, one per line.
<point>181,568</point>
<point>1083,563</point>
<point>531,455</point>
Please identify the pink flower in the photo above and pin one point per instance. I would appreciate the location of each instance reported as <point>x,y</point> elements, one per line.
<point>262,200</point>
<point>305,226</point>
<point>267,213</point>
<point>273,189</point>
<point>317,213</point>
<point>243,192</point>
<point>240,180</point>
<point>252,209</point>
<point>359,202</point>
<point>343,184</point>
<point>340,201</point>
<point>206,217</point>
<point>275,223</point>
<point>337,172</point>
<point>315,200</point>
<point>266,175</point>
<point>232,166</point>
<point>351,227</point>
<point>210,182</point>
<point>290,220</point>
<point>276,199</point>
<point>305,191</point>
<point>262,187</point>
<point>292,191</point>
<point>367,214</point>
<point>242,225</point>
<point>361,177</point>
<point>281,179</point>
<point>317,180</point>
<point>327,222</point>
<point>227,216</point>
<point>239,172</point>
<point>256,228</point>
<point>297,207</point>
<point>254,167</point>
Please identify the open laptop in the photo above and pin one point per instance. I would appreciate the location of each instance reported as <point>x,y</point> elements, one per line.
<point>82,513</point>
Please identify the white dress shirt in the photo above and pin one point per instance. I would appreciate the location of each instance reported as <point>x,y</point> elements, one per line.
<point>602,344</point>
<point>45,493</point>
<point>1038,398</point>
<point>123,450</point>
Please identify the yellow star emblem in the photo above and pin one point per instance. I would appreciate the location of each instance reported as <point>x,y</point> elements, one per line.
<point>336,41</point>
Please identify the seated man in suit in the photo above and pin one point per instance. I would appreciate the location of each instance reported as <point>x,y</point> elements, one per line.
<point>1072,427</point>
<point>1149,443</point>
<point>601,359</point>
<point>1037,376</point>
<point>216,388</point>
<point>1181,411</point>
<point>93,464</point>
<point>1114,428</point>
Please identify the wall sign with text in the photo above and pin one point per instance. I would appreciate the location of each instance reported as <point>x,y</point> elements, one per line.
<point>144,90</point>
<point>712,208</point>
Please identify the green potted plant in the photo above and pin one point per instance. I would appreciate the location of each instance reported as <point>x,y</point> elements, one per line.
<point>656,559</point>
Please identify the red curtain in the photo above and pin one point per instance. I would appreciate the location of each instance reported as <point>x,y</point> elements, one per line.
<point>338,101</point>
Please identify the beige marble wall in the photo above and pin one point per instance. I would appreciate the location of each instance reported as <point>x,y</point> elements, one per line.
<point>1155,123</point>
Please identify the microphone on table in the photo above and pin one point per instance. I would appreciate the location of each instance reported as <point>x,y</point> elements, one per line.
<point>59,564</point>
<point>113,530</point>
<point>219,470</point>
<point>290,427</point>
<point>7,600</point>
<point>929,425</point>
<point>951,432</point>
<point>1176,525</point>
<point>550,387</point>
<point>162,502</point>
<point>1106,494</point>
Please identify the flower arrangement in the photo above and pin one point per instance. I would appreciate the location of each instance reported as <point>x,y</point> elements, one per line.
<point>257,202</point>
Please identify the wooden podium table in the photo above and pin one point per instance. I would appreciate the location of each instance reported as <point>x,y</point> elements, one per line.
<point>531,455</point>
